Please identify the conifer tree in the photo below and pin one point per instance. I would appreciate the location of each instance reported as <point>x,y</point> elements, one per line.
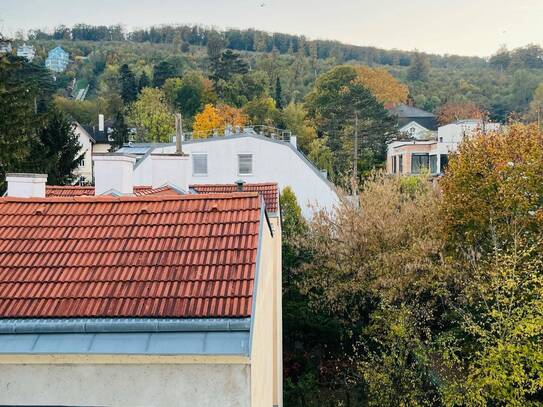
<point>129,88</point>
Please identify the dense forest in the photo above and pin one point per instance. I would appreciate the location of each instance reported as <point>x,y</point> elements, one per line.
<point>501,85</point>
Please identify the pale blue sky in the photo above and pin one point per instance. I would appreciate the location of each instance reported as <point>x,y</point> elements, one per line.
<point>468,27</point>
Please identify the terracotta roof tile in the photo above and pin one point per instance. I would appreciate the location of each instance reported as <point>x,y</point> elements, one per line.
<point>149,256</point>
<point>269,191</point>
<point>53,191</point>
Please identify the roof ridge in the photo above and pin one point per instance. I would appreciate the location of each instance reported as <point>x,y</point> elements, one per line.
<point>129,198</point>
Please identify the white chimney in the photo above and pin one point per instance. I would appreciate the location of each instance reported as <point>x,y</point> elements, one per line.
<point>294,141</point>
<point>26,185</point>
<point>171,169</point>
<point>113,173</point>
<point>100,122</point>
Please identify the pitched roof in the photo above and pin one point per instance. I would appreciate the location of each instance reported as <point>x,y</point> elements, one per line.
<point>402,110</point>
<point>269,191</point>
<point>150,256</point>
<point>53,191</point>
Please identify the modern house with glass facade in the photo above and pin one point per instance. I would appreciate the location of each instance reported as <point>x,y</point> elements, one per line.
<point>57,60</point>
<point>420,149</point>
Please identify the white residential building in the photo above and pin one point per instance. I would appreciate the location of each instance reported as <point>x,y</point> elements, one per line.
<point>249,156</point>
<point>87,142</point>
<point>422,149</point>
<point>5,48</point>
<point>26,51</point>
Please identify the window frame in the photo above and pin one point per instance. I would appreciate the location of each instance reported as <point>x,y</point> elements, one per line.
<point>421,167</point>
<point>239,164</point>
<point>194,173</point>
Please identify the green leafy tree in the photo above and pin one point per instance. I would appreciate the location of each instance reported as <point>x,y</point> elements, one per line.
<point>152,116</point>
<point>262,111</point>
<point>215,45</point>
<point>191,95</point>
<point>129,88</point>
<point>294,118</point>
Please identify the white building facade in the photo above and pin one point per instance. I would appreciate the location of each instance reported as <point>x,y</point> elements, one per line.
<point>26,51</point>
<point>421,150</point>
<point>248,156</point>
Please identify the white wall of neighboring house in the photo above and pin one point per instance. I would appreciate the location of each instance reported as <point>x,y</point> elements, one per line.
<point>272,161</point>
<point>416,131</point>
<point>85,168</point>
<point>446,141</point>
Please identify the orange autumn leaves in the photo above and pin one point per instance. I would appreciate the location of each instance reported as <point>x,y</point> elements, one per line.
<point>217,118</point>
<point>382,85</point>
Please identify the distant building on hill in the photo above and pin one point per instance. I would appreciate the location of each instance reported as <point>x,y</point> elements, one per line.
<point>5,48</point>
<point>425,150</point>
<point>57,60</point>
<point>408,114</point>
<point>26,51</point>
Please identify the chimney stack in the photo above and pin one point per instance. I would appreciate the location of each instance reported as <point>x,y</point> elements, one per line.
<point>114,172</point>
<point>23,185</point>
<point>100,122</point>
<point>239,185</point>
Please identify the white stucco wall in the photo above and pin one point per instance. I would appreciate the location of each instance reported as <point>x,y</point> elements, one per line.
<point>127,385</point>
<point>272,162</point>
<point>84,170</point>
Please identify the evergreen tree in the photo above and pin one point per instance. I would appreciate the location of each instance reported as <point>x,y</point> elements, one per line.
<point>278,94</point>
<point>129,88</point>
<point>229,63</point>
<point>56,151</point>
<point>120,131</point>
<point>143,82</point>
<point>419,68</point>
<point>161,72</point>
<point>25,94</point>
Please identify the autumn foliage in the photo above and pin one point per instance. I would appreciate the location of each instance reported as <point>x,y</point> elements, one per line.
<point>451,112</point>
<point>217,119</point>
<point>382,84</point>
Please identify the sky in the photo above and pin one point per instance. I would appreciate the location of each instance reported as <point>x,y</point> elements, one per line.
<point>464,27</point>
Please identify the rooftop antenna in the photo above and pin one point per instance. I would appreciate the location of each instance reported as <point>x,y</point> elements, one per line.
<point>178,133</point>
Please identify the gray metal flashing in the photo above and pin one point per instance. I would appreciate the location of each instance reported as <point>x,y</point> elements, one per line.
<point>133,343</point>
<point>121,325</point>
<point>257,272</point>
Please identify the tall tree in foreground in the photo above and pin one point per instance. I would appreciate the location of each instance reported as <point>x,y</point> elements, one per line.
<point>382,85</point>
<point>25,94</point>
<point>57,150</point>
<point>336,101</point>
<point>120,134</point>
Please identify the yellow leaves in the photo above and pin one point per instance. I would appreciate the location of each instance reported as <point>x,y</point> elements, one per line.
<point>382,84</point>
<point>216,119</point>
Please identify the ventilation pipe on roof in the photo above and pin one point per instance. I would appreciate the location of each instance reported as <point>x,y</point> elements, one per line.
<point>101,122</point>
<point>26,185</point>
<point>114,172</point>
<point>294,140</point>
<point>239,185</point>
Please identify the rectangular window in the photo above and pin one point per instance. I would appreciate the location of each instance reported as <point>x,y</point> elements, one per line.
<point>199,164</point>
<point>245,164</point>
<point>394,164</point>
<point>82,163</point>
<point>444,160</point>
<point>400,164</point>
<point>419,163</point>
<point>433,164</point>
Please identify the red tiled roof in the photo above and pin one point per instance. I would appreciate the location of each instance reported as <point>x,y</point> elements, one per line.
<point>52,191</point>
<point>269,191</point>
<point>151,256</point>
<point>66,191</point>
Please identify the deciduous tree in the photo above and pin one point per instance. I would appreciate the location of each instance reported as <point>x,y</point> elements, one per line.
<point>152,116</point>
<point>385,88</point>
